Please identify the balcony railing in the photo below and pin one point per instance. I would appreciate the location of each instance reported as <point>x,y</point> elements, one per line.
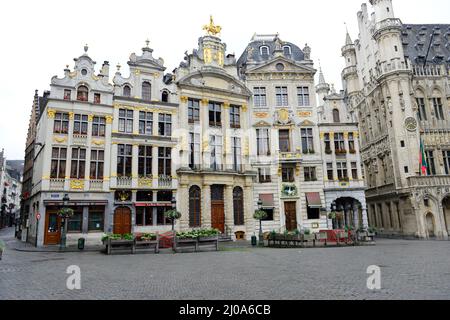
<point>164,181</point>
<point>57,184</point>
<point>234,168</point>
<point>386,24</point>
<point>348,71</point>
<point>96,185</point>
<point>124,182</point>
<point>425,181</point>
<point>394,65</point>
<point>428,71</point>
<point>79,139</point>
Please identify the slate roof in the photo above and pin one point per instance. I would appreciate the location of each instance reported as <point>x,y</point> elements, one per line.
<point>416,41</point>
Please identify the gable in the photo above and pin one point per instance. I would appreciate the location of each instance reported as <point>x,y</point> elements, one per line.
<point>289,67</point>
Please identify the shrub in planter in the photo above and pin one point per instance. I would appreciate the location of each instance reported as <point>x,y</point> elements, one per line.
<point>66,213</point>
<point>148,237</point>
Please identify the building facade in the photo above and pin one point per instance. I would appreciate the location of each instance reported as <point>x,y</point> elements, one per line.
<point>10,191</point>
<point>396,83</point>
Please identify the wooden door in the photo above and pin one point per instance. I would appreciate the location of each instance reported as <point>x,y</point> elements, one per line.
<point>122,221</point>
<point>218,216</point>
<point>291,216</point>
<point>52,228</point>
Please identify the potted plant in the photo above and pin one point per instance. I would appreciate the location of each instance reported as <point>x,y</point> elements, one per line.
<point>173,215</point>
<point>307,236</point>
<point>260,215</point>
<point>148,237</point>
<point>371,232</point>
<point>208,234</point>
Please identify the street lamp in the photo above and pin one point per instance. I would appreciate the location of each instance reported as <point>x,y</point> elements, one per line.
<point>66,200</point>
<point>333,214</point>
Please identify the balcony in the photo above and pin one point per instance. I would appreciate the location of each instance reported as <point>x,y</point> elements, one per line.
<point>164,181</point>
<point>428,71</point>
<point>96,185</point>
<point>57,184</point>
<point>390,23</point>
<point>224,168</point>
<point>124,182</point>
<point>429,181</point>
<point>349,71</point>
<point>392,66</point>
<point>290,156</point>
<point>80,139</point>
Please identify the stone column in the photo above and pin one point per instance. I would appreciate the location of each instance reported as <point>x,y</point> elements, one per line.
<point>356,216</point>
<point>206,206</point>
<point>364,217</point>
<point>442,227</point>
<point>248,212</point>
<point>183,206</point>
<point>229,212</point>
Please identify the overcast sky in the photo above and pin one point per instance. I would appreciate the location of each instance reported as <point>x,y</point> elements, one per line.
<point>38,38</point>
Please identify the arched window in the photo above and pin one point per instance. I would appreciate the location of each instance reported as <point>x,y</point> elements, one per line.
<point>264,50</point>
<point>146,91</point>
<point>195,207</point>
<point>165,96</point>
<point>238,206</point>
<point>287,50</point>
<point>336,118</point>
<point>126,91</point>
<point>82,93</point>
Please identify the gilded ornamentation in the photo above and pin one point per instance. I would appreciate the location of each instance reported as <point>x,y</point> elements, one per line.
<point>261,115</point>
<point>244,108</point>
<point>109,119</point>
<point>212,29</point>
<point>94,77</point>
<point>60,139</point>
<point>90,117</point>
<point>322,135</point>
<point>183,99</point>
<point>77,184</point>
<point>98,142</point>
<point>207,55</point>
<point>51,113</point>
<point>205,102</point>
<point>72,74</point>
<point>137,72</point>
<point>145,182</point>
<point>305,114</point>
<point>226,105</point>
<point>345,135</point>
<point>71,115</point>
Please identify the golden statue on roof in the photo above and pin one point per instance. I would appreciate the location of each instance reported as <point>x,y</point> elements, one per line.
<point>212,29</point>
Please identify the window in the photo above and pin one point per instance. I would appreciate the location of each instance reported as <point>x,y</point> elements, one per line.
<point>235,117</point>
<point>165,96</point>
<point>313,213</point>
<point>165,125</point>
<point>238,206</point>
<point>194,150</point>
<point>144,196</point>
<point>161,219</point>
<point>310,174</point>
<point>82,93</point>
<point>402,143</point>
<point>75,223</point>
<point>307,140</point>
<point>146,123</point>
<point>336,116</point>
<point>98,126</point>
<point>422,109</point>
<point>326,139</point>
<point>262,142</point>
<point>287,51</point>
<point>396,48</point>
<point>96,219</point>
<point>165,161</point>
<point>259,96</point>
<point>144,216</point>
<point>284,141</point>
<point>351,142</point>
<point>145,161</point>
<point>193,110</point>
<point>438,110</point>
<point>236,151</point>
<point>330,173</point>
<point>97,98</point>
<point>269,214</point>
<point>195,210</point>
<point>58,165</point>
<point>164,196</point>
<point>124,160</point>
<point>354,170</point>
<point>126,91</point>
<point>446,157</point>
<point>303,96</point>
<point>215,143</point>
<point>342,171</point>
<point>264,175</point>
<point>61,123</point>
<point>431,168</point>
<point>264,50</point>
<point>146,91</point>
<point>67,94</point>
<point>339,144</point>
<point>97,164</point>
<point>80,124</point>
<point>78,165</point>
<point>287,173</point>
<point>281,94</point>
<point>215,114</point>
<point>125,121</point>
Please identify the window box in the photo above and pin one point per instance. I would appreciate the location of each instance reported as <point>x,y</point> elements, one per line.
<point>344,179</point>
<point>352,151</point>
<point>341,151</point>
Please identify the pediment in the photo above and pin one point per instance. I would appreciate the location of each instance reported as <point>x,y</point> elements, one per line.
<point>289,66</point>
<point>307,123</point>
<point>215,81</point>
<point>262,123</point>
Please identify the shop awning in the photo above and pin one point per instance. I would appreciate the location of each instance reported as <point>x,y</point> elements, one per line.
<point>267,200</point>
<point>313,200</point>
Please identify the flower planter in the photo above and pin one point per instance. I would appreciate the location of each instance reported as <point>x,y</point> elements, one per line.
<point>119,245</point>
<point>209,241</point>
<point>147,243</point>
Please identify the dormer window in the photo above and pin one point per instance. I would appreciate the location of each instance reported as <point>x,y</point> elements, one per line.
<point>165,96</point>
<point>287,50</point>
<point>264,50</point>
<point>67,94</point>
<point>336,117</point>
<point>126,91</point>
<point>146,91</point>
<point>97,98</point>
<point>82,93</point>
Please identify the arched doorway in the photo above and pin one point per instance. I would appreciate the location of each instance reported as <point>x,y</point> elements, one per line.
<point>348,213</point>
<point>122,220</point>
<point>430,225</point>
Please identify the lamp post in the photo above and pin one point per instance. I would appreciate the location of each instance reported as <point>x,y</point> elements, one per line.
<point>261,241</point>
<point>174,207</point>
<point>333,214</point>
<point>62,245</point>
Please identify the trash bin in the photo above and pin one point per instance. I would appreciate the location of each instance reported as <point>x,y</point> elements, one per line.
<point>254,241</point>
<point>81,242</point>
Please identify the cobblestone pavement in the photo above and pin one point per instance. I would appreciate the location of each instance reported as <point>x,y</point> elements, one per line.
<point>409,270</point>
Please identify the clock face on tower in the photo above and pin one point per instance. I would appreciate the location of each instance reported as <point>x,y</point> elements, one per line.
<point>410,124</point>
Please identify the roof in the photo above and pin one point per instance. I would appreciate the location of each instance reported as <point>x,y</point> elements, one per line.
<point>417,39</point>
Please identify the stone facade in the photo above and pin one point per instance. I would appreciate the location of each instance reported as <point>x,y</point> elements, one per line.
<point>396,83</point>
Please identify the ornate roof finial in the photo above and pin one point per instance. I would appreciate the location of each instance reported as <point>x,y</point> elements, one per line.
<point>118,66</point>
<point>212,29</point>
<point>86,48</point>
<point>147,42</point>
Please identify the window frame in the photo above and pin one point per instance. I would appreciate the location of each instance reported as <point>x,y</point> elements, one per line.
<point>97,164</point>
<point>124,160</point>
<point>281,96</point>
<point>145,161</point>
<point>78,163</point>
<point>146,123</point>
<point>303,96</point>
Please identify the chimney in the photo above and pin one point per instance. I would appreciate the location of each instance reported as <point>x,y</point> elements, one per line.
<point>105,71</point>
